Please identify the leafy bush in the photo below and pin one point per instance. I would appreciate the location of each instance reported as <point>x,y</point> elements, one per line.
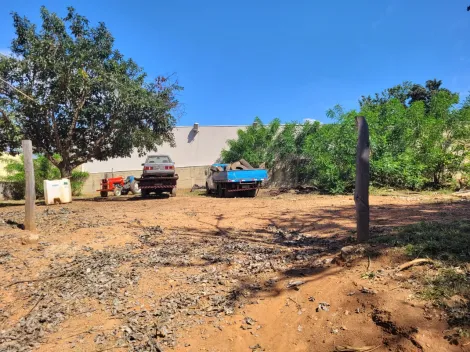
<point>43,170</point>
<point>419,139</point>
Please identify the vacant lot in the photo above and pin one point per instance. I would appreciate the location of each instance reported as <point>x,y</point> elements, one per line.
<point>195,273</point>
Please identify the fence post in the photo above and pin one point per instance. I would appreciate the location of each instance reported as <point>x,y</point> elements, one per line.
<point>30,193</point>
<point>361,192</point>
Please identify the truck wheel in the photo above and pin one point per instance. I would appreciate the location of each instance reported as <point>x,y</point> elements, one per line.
<point>144,193</point>
<point>228,194</point>
<point>220,192</point>
<point>134,187</point>
<point>173,192</point>
<point>251,193</point>
<point>103,194</point>
<point>208,191</point>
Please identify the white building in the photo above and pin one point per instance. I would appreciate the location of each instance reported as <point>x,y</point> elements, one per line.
<point>197,147</point>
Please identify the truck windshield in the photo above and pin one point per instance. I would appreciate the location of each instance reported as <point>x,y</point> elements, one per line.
<point>158,159</point>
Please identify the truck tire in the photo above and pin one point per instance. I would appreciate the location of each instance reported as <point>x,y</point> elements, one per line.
<point>173,192</point>
<point>251,193</point>
<point>103,194</point>
<point>220,192</point>
<point>144,193</point>
<point>208,191</point>
<point>134,187</point>
<point>228,194</point>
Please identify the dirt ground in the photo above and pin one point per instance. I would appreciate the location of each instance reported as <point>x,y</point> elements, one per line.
<point>196,273</point>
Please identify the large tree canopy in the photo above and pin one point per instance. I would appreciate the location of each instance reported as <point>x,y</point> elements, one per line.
<point>67,89</point>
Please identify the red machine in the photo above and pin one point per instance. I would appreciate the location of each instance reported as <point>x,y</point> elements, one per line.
<point>113,184</point>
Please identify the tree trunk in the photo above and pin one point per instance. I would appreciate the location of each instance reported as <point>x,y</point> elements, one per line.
<point>361,192</point>
<point>65,171</point>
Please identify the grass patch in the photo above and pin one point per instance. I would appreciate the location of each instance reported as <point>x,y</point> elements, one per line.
<point>446,242</point>
<point>448,287</point>
<point>448,283</point>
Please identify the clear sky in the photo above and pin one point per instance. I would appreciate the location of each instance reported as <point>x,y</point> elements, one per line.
<point>268,58</point>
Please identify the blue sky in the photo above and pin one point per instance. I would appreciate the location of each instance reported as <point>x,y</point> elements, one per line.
<point>287,59</point>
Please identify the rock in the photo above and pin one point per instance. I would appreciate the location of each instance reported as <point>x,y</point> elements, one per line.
<point>299,328</point>
<point>323,306</point>
<point>324,262</point>
<point>31,238</point>
<point>334,331</point>
<point>368,291</point>
<point>349,253</point>
<point>250,321</point>
<point>295,284</point>
<point>311,299</point>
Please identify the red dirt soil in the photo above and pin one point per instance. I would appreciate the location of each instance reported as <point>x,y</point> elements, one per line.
<point>282,318</point>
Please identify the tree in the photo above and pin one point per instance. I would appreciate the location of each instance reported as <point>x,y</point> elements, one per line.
<point>407,94</point>
<point>254,144</point>
<point>67,89</point>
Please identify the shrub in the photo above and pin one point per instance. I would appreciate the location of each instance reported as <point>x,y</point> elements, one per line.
<point>43,170</point>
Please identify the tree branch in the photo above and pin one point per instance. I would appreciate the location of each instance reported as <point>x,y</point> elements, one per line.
<point>73,125</point>
<point>5,116</point>
<point>56,131</point>
<point>52,160</point>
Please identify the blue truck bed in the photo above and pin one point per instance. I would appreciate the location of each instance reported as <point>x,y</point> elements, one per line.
<point>240,175</point>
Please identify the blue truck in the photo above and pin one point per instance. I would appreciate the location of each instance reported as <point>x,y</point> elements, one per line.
<point>226,182</point>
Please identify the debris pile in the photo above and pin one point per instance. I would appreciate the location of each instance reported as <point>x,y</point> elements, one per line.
<point>59,291</point>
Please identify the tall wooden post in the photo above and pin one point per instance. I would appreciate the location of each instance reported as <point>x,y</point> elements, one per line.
<point>30,192</point>
<point>361,193</point>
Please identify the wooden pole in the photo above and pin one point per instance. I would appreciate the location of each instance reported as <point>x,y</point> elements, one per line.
<point>361,192</point>
<point>30,193</point>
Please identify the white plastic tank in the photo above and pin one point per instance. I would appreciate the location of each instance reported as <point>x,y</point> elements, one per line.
<point>66,191</point>
<point>57,191</point>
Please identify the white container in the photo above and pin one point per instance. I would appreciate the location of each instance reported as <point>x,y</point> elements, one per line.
<point>66,191</point>
<point>57,191</point>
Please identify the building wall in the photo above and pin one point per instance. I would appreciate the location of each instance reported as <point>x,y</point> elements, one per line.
<point>199,148</point>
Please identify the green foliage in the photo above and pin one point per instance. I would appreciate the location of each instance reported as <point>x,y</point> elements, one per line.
<point>255,144</point>
<point>419,139</point>
<point>77,180</point>
<point>83,100</point>
<point>43,170</point>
